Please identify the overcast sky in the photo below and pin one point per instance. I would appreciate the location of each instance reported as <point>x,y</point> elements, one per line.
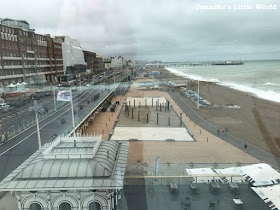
<point>167,30</point>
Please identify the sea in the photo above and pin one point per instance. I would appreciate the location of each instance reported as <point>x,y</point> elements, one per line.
<point>261,78</point>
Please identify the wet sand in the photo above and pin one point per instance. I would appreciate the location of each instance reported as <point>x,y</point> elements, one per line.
<point>257,121</point>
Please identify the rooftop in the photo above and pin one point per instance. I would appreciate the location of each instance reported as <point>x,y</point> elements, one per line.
<point>62,164</point>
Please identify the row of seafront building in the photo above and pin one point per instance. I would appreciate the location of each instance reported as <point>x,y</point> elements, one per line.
<point>36,59</point>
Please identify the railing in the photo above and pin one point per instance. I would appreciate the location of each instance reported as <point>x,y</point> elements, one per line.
<point>43,59</point>
<point>77,123</point>
<point>41,66</point>
<point>11,76</point>
<point>144,174</point>
<point>13,67</point>
<point>11,58</point>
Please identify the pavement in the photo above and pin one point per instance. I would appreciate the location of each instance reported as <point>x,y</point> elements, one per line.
<point>207,148</point>
<point>105,121</point>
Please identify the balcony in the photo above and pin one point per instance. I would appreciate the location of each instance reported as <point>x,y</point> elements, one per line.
<point>30,51</point>
<point>43,59</point>
<point>43,66</point>
<point>30,74</point>
<point>28,58</point>
<point>45,72</point>
<point>11,76</point>
<point>11,58</point>
<point>13,67</point>
<point>30,66</point>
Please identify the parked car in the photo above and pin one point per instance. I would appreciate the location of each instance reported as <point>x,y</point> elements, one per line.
<point>4,105</point>
<point>47,93</point>
<point>6,109</point>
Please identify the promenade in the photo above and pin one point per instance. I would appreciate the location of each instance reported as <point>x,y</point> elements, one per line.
<point>208,148</point>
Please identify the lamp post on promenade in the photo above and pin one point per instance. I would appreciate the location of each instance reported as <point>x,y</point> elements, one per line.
<point>198,94</point>
<point>54,99</point>
<point>37,108</point>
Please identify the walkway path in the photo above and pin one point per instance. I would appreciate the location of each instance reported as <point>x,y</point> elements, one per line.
<point>252,150</point>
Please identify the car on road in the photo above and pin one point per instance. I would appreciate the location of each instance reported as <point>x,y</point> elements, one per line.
<point>4,105</point>
<point>6,109</point>
<point>47,93</point>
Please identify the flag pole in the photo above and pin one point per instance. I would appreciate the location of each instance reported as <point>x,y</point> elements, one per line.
<point>73,120</point>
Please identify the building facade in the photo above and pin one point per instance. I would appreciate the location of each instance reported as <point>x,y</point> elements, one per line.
<point>98,66</point>
<point>26,56</point>
<point>89,59</point>
<point>118,62</point>
<point>70,173</point>
<point>107,63</point>
<point>72,52</point>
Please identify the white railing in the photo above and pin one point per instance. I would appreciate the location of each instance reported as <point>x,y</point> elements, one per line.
<point>45,72</point>
<point>28,58</point>
<point>46,65</point>
<point>13,67</point>
<point>30,66</point>
<point>43,59</point>
<point>11,58</point>
<point>11,76</point>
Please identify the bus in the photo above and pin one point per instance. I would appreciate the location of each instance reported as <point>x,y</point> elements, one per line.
<point>67,80</point>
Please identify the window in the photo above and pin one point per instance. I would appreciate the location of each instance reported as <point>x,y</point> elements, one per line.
<point>94,206</point>
<point>64,206</point>
<point>35,206</point>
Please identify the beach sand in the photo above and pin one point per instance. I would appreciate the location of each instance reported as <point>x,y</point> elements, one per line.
<point>257,121</point>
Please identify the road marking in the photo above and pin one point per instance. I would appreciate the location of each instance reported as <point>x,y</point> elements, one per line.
<point>40,127</point>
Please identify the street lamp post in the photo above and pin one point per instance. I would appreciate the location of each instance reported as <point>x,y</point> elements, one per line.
<point>198,94</point>
<point>54,99</point>
<point>80,84</point>
<point>114,78</point>
<point>37,108</point>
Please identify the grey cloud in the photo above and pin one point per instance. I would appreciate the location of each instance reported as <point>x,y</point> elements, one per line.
<point>160,29</point>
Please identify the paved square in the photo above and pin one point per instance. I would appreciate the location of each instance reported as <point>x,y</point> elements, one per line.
<point>151,133</point>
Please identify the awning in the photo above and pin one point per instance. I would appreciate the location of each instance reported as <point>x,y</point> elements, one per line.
<point>11,85</point>
<point>270,195</point>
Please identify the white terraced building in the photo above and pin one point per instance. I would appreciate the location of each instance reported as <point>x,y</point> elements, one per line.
<point>70,175</point>
<point>72,52</point>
